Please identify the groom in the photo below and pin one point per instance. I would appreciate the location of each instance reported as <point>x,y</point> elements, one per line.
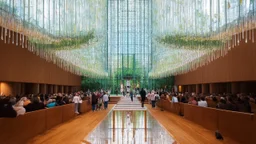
<point>143,96</point>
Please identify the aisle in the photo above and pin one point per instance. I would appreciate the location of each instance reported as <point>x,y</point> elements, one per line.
<point>73,131</point>
<point>126,104</point>
<point>185,131</point>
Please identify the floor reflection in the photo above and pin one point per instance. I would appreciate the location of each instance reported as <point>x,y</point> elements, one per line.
<point>129,127</point>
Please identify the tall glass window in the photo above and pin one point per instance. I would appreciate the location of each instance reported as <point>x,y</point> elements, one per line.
<point>129,39</point>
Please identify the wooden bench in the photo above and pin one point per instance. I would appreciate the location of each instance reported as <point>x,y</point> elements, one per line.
<point>235,125</point>
<point>22,128</point>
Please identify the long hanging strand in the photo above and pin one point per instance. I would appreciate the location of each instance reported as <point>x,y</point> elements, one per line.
<point>2,33</point>
<point>23,41</point>
<point>252,35</point>
<point>5,35</point>
<point>9,36</point>
<point>13,37</point>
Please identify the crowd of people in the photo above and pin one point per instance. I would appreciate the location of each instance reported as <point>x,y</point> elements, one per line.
<point>238,102</point>
<point>152,96</point>
<point>13,106</point>
<point>99,100</point>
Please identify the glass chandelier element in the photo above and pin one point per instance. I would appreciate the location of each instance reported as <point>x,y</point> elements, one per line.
<point>191,33</point>
<point>59,31</point>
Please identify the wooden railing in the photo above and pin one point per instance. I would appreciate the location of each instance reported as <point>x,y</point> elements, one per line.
<point>114,99</point>
<point>22,128</point>
<point>236,125</point>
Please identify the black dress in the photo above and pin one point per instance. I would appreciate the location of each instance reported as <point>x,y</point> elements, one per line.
<point>94,99</point>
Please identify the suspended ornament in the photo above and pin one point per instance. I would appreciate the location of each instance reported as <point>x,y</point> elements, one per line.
<point>17,39</point>
<point>2,33</point>
<point>23,41</point>
<point>252,35</point>
<point>5,35</point>
<point>12,37</point>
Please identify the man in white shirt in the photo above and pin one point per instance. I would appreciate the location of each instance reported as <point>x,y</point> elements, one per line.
<point>105,100</point>
<point>174,99</point>
<point>76,100</point>
<point>153,99</point>
<point>202,102</point>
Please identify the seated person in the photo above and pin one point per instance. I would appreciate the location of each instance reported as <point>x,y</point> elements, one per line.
<point>183,99</point>
<point>66,100</point>
<point>202,102</point>
<point>34,105</point>
<point>231,105</point>
<point>174,99</point>
<point>60,101</point>
<point>214,102</point>
<point>192,101</point>
<point>51,103</point>
<point>6,107</point>
<point>222,103</point>
<point>18,107</point>
<point>26,102</point>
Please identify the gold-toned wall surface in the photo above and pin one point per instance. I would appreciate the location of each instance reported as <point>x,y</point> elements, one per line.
<point>238,65</point>
<point>20,65</point>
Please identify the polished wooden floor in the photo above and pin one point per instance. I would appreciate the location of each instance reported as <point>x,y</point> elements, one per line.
<point>184,131</point>
<point>73,131</point>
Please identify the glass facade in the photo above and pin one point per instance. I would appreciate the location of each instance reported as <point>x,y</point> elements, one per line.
<point>111,41</point>
<point>129,39</point>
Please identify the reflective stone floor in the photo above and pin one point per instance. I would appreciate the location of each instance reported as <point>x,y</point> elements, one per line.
<point>129,127</point>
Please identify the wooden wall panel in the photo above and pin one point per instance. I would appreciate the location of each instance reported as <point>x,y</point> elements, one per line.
<point>20,65</point>
<point>21,129</point>
<point>238,126</point>
<point>238,65</point>
<point>206,117</point>
<point>53,117</point>
<point>68,112</point>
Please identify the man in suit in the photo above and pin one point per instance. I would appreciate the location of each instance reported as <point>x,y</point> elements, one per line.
<point>143,96</point>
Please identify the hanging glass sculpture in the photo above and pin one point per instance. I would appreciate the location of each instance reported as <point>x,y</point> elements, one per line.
<point>98,38</point>
<point>210,27</point>
<point>51,27</point>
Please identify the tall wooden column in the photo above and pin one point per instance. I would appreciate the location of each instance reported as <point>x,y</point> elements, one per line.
<point>205,88</point>
<point>198,88</point>
<point>235,87</point>
<point>213,88</point>
<point>55,89</point>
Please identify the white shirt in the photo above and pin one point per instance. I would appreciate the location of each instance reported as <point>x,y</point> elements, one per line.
<point>105,98</point>
<point>18,107</point>
<point>153,97</point>
<point>19,110</point>
<point>202,103</point>
<point>76,99</point>
<point>174,99</point>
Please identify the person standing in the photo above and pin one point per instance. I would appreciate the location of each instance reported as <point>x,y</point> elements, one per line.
<point>131,95</point>
<point>100,101</point>
<point>153,99</point>
<point>143,96</point>
<point>116,92</point>
<point>94,101</point>
<point>80,103</point>
<point>157,98</point>
<point>108,97</point>
<point>76,100</point>
<point>105,100</point>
